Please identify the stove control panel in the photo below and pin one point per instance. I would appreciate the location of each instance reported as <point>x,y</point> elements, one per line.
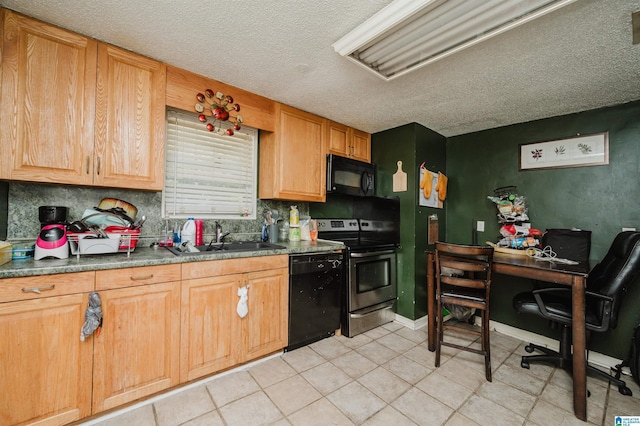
<point>336,225</point>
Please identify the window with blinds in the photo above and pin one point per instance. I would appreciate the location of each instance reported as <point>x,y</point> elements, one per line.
<point>208,175</point>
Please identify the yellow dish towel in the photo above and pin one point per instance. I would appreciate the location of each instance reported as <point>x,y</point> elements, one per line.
<point>425,183</point>
<point>441,187</point>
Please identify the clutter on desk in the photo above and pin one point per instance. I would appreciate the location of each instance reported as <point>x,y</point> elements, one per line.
<point>513,214</point>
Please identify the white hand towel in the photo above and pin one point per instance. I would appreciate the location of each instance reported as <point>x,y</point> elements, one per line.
<point>242,303</point>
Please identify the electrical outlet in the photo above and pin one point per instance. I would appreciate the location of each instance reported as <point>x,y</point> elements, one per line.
<point>628,229</point>
<point>480,226</point>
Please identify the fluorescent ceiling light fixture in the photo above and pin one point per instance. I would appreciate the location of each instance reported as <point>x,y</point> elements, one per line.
<point>409,34</point>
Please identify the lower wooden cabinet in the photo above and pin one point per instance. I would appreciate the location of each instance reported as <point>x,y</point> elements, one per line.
<point>45,370</point>
<point>213,335</point>
<point>138,350</point>
<point>162,326</point>
<point>210,332</point>
<point>265,328</point>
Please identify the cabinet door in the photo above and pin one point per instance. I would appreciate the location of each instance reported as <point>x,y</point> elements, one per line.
<point>361,145</point>
<point>137,352</point>
<point>292,160</point>
<point>210,331</point>
<point>338,139</point>
<point>130,120</point>
<point>265,328</point>
<point>45,368</point>
<point>48,102</point>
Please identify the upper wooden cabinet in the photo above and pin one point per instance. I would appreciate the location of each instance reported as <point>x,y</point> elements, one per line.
<point>48,102</point>
<point>77,111</point>
<point>130,120</point>
<point>348,142</point>
<point>292,159</point>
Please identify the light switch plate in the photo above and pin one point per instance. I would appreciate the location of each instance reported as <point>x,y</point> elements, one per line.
<point>480,226</point>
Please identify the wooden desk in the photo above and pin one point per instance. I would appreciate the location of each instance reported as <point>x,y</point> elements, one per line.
<point>558,273</point>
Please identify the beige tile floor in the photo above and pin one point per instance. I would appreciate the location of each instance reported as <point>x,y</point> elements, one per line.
<point>383,377</point>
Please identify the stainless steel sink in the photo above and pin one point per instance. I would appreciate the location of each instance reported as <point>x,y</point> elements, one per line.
<point>227,248</point>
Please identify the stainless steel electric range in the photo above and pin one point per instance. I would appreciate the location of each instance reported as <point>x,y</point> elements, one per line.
<point>370,292</point>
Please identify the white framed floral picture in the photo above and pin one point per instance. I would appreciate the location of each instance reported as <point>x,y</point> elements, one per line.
<point>579,151</point>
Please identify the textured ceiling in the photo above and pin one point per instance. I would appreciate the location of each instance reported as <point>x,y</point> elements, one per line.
<point>578,58</point>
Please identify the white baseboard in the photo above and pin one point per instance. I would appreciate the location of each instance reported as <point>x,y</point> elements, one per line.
<point>595,358</point>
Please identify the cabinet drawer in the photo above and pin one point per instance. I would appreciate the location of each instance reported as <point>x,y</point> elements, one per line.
<point>24,288</point>
<point>233,266</point>
<point>130,277</point>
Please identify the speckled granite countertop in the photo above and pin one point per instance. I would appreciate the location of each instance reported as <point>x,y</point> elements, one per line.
<point>147,257</point>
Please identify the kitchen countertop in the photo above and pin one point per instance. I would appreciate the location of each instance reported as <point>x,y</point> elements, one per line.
<point>144,256</point>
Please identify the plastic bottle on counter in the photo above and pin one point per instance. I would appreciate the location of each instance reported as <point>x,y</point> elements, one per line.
<point>199,231</point>
<point>294,216</point>
<point>176,234</point>
<point>189,231</point>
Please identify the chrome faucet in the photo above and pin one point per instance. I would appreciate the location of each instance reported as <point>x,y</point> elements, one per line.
<point>219,234</point>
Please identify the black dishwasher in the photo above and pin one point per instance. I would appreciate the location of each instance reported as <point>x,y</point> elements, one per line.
<point>315,283</point>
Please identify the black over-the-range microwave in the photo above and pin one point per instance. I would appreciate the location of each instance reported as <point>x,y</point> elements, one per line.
<point>348,176</point>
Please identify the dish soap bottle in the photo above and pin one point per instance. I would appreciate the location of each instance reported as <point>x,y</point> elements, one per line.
<point>189,231</point>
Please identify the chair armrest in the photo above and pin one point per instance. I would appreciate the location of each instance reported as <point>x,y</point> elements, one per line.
<point>551,290</point>
<point>565,290</point>
<point>605,315</point>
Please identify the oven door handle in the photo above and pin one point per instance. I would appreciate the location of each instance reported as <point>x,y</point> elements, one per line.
<point>371,254</point>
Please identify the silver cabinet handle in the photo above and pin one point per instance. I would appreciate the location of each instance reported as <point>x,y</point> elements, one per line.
<point>37,290</point>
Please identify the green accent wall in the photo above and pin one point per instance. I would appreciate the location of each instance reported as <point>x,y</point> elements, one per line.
<point>412,144</point>
<point>602,199</point>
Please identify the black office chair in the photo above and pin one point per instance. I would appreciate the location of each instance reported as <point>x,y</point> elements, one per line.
<point>463,278</point>
<point>607,283</point>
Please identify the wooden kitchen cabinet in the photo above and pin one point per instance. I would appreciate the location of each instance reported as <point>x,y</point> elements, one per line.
<point>292,158</point>
<point>361,145</point>
<point>137,352</point>
<point>213,336</point>
<point>265,328</point>
<point>46,370</point>
<point>348,142</point>
<point>76,111</point>
<point>48,102</point>
<point>130,120</point>
<point>210,332</point>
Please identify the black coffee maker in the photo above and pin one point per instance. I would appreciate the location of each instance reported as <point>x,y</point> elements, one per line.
<point>52,240</point>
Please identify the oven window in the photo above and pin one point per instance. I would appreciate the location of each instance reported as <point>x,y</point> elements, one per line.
<point>372,275</point>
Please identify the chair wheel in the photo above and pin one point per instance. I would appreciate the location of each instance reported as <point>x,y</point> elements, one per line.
<point>625,390</point>
<point>529,348</point>
<point>524,364</point>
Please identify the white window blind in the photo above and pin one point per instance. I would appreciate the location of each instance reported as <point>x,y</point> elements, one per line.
<point>208,175</point>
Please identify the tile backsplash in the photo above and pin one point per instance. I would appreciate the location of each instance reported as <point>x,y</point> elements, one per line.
<point>25,198</point>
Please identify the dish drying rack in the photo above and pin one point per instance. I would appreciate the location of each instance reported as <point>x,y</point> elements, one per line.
<point>112,239</point>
